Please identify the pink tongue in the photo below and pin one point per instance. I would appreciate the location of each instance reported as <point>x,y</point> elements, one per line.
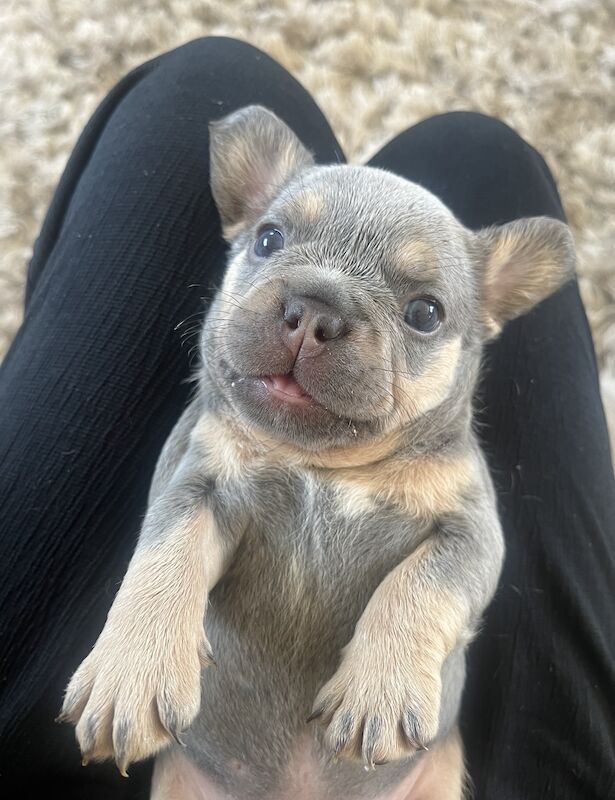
<point>287,384</point>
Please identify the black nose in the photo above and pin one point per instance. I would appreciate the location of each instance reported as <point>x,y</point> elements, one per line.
<point>310,323</point>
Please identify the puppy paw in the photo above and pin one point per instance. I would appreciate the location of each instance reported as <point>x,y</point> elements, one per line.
<point>378,710</point>
<point>136,692</point>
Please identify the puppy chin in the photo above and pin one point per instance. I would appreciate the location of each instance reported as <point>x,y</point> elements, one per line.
<point>284,410</point>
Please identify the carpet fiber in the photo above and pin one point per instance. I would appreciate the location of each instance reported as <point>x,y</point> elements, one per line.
<point>547,67</point>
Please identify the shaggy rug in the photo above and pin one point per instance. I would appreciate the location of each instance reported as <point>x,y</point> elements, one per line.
<point>547,67</point>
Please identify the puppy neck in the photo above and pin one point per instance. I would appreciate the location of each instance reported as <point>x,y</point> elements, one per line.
<point>432,434</point>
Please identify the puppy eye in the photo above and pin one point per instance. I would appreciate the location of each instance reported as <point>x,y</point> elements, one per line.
<point>269,240</point>
<point>423,314</point>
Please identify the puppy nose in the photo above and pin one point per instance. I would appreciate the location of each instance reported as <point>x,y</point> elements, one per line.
<point>309,324</point>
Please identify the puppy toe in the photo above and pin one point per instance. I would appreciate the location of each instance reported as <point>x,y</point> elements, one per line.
<point>77,694</point>
<point>94,731</point>
<point>344,734</point>
<point>137,733</point>
<point>413,731</point>
<point>172,719</point>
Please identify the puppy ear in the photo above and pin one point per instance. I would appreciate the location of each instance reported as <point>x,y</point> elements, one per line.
<point>523,262</point>
<point>252,154</point>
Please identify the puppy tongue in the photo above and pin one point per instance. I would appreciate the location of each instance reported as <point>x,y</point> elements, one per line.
<point>287,384</point>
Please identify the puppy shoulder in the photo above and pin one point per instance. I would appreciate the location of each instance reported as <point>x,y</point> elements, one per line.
<point>174,449</point>
<point>424,486</point>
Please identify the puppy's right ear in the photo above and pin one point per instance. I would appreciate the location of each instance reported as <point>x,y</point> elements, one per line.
<point>252,154</point>
<point>522,263</point>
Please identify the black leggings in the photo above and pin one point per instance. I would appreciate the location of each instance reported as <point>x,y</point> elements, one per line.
<point>96,379</point>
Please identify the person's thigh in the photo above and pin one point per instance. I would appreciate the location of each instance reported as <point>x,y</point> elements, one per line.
<point>538,717</point>
<point>98,374</point>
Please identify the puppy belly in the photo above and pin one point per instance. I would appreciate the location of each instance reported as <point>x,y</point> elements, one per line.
<point>437,776</point>
<point>178,778</point>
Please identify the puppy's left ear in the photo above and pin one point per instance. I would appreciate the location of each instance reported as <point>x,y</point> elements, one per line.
<point>522,263</point>
<point>252,155</point>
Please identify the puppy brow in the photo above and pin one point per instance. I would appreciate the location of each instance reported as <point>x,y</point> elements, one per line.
<point>308,204</point>
<point>416,260</point>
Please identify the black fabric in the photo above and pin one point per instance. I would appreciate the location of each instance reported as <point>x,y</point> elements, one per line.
<point>97,375</point>
<point>537,719</point>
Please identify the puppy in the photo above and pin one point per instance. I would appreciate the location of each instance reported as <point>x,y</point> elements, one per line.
<point>321,522</point>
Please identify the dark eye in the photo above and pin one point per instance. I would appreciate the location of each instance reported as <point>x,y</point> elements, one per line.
<point>423,314</point>
<point>269,240</point>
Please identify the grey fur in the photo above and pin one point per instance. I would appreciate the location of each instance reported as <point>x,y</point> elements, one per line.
<point>301,564</point>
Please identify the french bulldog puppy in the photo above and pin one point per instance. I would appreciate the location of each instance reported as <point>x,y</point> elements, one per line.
<point>321,522</point>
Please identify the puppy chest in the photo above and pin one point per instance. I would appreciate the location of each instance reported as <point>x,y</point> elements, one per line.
<point>301,577</point>
<point>311,557</point>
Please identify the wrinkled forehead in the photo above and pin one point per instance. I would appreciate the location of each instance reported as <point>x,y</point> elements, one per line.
<point>375,216</point>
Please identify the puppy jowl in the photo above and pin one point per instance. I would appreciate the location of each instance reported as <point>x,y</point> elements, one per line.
<point>321,524</point>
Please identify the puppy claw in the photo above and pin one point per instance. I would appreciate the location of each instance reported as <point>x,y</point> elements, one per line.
<point>177,738</point>
<point>332,759</point>
<point>410,730</point>
<point>174,734</point>
<point>206,655</point>
<point>343,733</point>
<point>122,768</point>
<point>315,714</point>
<point>169,720</point>
<point>372,731</point>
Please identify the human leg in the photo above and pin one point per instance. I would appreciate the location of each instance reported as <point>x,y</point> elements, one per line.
<point>97,374</point>
<point>537,721</point>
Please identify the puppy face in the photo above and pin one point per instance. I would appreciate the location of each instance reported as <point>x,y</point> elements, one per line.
<point>354,302</point>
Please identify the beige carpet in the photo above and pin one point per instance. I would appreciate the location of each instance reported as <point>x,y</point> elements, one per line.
<point>545,66</point>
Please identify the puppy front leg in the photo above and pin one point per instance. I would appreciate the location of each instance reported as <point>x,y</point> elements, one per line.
<point>140,685</point>
<point>383,702</point>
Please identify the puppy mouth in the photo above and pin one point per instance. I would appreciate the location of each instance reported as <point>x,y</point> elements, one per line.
<point>287,389</point>
<point>276,389</point>
<point>282,403</point>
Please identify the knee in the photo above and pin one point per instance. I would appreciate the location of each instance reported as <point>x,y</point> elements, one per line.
<point>210,50</point>
<point>498,149</point>
<point>481,167</point>
<point>218,64</point>
<point>475,122</point>
<point>173,98</point>
<point>482,136</point>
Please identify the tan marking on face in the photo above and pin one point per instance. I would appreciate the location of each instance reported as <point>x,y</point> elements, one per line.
<point>417,258</point>
<point>231,232</point>
<point>416,396</point>
<point>423,487</point>
<point>309,205</point>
